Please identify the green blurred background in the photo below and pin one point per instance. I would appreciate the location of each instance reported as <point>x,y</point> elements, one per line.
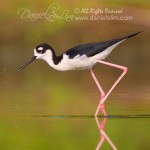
<point>40,90</point>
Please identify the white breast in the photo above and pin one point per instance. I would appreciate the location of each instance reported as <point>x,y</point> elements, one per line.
<point>78,62</point>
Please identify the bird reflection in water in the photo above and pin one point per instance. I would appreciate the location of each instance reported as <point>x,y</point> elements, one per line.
<point>104,136</point>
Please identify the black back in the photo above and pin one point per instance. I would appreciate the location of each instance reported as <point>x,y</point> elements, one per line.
<point>92,49</point>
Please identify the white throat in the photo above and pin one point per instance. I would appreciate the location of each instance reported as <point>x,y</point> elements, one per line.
<point>49,59</point>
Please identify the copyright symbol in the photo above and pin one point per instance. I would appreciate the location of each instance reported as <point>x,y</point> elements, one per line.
<point>77,10</point>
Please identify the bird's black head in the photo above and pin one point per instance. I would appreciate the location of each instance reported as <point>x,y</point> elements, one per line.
<point>42,51</point>
<point>42,48</point>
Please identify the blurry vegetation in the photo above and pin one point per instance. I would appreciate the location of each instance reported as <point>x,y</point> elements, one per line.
<point>19,36</point>
<point>41,90</point>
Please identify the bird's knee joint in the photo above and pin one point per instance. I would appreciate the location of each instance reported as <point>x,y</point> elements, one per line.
<point>125,69</point>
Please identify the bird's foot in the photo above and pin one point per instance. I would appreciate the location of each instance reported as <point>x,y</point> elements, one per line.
<point>102,109</point>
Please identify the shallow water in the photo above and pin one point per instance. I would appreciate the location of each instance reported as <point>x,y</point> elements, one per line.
<point>41,109</point>
<point>75,132</point>
<point>55,114</point>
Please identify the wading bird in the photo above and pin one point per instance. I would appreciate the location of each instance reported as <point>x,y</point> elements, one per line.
<point>80,57</point>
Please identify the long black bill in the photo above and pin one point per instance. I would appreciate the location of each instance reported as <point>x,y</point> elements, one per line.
<point>26,64</point>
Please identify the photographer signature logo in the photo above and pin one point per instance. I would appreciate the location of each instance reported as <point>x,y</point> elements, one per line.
<point>52,13</point>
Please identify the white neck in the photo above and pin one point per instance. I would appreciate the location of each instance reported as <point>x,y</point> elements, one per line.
<point>49,59</point>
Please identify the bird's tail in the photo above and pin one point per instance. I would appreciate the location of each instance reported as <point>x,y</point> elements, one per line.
<point>131,35</point>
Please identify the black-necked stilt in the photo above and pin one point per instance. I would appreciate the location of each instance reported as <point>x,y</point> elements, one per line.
<point>82,57</point>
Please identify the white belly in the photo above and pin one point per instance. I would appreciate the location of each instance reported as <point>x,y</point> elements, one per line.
<point>77,63</point>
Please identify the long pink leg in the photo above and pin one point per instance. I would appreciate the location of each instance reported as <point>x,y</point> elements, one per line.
<point>101,106</point>
<point>97,83</point>
<point>102,100</point>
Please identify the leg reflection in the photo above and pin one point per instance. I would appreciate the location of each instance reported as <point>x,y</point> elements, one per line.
<point>104,136</point>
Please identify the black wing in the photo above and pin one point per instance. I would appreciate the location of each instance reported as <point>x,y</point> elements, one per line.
<point>92,49</point>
